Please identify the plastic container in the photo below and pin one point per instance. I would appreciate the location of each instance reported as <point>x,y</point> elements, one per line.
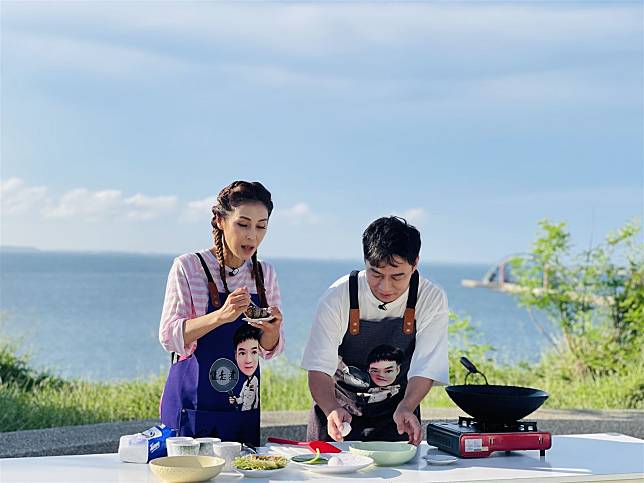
<point>207,446</point>
<point>182,446</point>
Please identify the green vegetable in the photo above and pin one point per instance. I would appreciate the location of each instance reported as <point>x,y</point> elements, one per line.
<point>306,459</point>
<point>260,462</point>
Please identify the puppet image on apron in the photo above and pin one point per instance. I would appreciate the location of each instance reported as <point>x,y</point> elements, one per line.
<point>375,385</point>
<point>384,367</point>
<point>246,342</point>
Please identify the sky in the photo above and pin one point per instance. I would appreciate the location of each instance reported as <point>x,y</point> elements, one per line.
<point>121,121</point>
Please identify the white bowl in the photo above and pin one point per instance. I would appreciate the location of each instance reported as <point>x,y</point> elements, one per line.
<point>182,446</point>
<point>207,446</point>
<point>186,469</point>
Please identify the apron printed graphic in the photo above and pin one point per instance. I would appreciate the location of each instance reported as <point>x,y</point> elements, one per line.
<point>384,367</point>
<point>223,375</point>
<point>248,396</point>
<point>246,342</point>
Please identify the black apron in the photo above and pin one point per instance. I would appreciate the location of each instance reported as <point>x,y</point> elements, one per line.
<point>371,378</point>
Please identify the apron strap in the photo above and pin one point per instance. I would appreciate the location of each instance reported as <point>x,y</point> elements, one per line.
<point>354,307</point>
<point>212,287</point>
<point>410,310</point>
<point>214,299</point>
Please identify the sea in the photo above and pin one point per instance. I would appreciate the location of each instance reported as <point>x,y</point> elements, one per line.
<point>95,316</point>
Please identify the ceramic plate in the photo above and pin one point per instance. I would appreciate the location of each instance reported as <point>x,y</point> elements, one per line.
<point>259,473</point>
<point>258,321</point>
<point>351,463</point>
<point>440,459</point>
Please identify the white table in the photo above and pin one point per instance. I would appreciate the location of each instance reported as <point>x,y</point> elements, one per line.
<point>585,457</point>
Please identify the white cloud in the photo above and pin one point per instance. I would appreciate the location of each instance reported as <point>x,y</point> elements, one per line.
<point>81,204</point>
<point>18,199</point>
<point>279,76</point>
<point>503,52</point>
<point>142,207</point>
<point>198,210</point>
<point>318,29</point>
<point>300,213</point>
<point>415,216</point>
<point>86,55</point>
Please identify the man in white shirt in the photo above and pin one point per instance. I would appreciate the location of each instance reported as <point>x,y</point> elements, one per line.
<point>385,309</point>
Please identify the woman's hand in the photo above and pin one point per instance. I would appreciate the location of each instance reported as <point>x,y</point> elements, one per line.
<point>236,303</point>
<point>272,326</point>
<point>270,329</point>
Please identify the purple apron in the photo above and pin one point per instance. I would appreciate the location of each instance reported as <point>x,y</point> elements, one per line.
<point>208,394</point>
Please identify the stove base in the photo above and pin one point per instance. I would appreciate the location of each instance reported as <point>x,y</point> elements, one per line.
<point>466,442</point>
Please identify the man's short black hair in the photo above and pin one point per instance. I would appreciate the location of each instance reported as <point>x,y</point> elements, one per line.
<point>390,237</point>
<point>385,352</point>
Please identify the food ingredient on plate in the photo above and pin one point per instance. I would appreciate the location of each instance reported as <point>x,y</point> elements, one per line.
<point>335,461</point>
<point>315,458</point>
<point>254,312</point>
<point>260,462</point>
<point>306,459</point>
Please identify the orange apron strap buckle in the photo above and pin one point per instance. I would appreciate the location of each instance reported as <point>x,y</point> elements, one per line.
<point>408,321</point>
<point>214,294</point>
<point>354,321</point>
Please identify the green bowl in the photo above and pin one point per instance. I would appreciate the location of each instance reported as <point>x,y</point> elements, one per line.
<point>385,453</point>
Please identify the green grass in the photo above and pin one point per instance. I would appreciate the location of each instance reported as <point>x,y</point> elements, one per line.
<point>31,399</point>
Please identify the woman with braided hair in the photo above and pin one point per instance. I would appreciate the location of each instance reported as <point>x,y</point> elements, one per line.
<point>206,297</point>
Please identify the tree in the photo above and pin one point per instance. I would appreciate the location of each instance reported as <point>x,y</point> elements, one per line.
<point>595,296</point>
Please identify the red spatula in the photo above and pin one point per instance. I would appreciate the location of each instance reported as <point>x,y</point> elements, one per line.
<point>322,446</point>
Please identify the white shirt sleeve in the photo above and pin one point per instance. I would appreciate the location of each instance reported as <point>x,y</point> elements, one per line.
<point>327,331</point>
<point>430,354</point>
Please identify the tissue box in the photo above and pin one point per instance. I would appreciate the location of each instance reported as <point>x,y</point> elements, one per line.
<point>145,446</point>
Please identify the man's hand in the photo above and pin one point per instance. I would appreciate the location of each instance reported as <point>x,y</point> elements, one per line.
<point>407,422</point>
<point>334,422</point>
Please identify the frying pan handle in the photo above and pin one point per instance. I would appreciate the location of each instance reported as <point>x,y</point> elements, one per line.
<point>469,365</point>
<point>471,368</point>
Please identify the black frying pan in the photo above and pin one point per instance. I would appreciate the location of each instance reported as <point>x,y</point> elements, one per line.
<point>486,402</point>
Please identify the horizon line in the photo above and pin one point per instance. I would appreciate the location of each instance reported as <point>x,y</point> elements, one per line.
<point>23,250</point>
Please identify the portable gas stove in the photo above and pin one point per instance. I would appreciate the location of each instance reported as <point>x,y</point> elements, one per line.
<point>475,439</point>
